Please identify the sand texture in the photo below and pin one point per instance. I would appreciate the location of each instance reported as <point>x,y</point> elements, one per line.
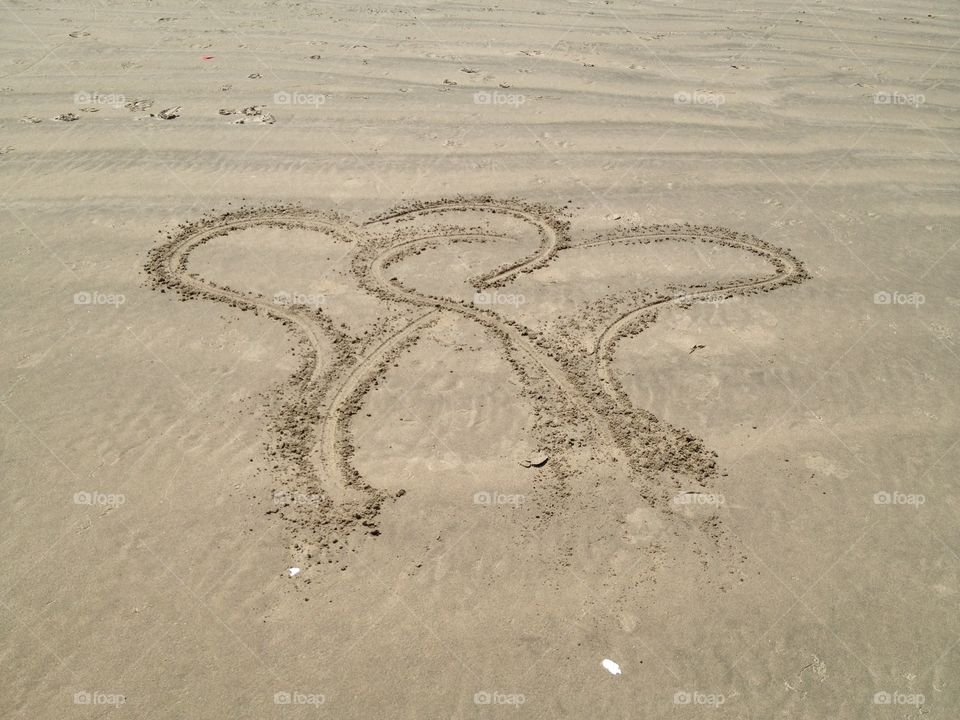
<point>450,360</point>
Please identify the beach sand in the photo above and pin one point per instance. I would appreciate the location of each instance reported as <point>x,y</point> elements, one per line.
<point>412,361</point>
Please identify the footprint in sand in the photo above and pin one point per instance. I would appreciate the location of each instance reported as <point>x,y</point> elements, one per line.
<point>139,105</point>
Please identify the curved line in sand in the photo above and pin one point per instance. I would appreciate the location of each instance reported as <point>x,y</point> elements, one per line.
<point>606,342</point>
<point>340,482</point>
<point>339,394</point>
<point>508,333</point>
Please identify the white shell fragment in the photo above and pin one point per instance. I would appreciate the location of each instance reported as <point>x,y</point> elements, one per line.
<point>611,666</point>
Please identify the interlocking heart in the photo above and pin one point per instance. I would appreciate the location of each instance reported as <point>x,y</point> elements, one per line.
<point>566,373</point>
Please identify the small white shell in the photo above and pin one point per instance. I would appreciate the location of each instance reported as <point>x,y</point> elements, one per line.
<point>611,666</point>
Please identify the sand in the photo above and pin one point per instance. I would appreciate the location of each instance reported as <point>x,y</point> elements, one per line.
<point>448,360</point>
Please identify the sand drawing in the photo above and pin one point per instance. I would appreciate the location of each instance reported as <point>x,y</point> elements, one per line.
<point>581,409</point>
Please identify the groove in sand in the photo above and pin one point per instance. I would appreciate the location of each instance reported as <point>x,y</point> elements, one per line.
<point>569,386</point>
